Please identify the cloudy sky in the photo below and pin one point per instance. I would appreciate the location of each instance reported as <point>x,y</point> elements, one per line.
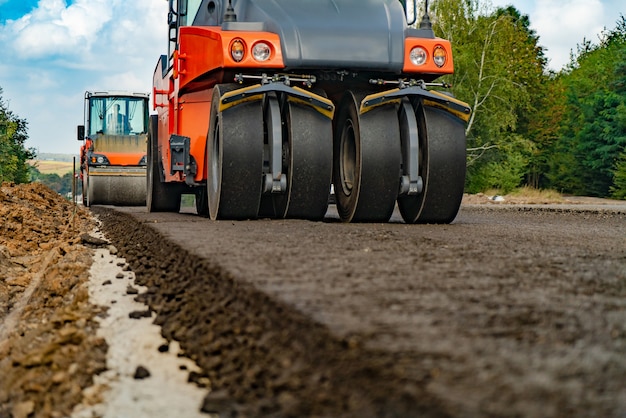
<point>55,50</point>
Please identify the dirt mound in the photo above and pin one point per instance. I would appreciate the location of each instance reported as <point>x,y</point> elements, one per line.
<point>48,348</point>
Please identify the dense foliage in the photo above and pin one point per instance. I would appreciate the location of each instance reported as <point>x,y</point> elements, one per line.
<point>63,185</point>
<point>592,135</point>
<point>530,126</point>
<point>499,72</point>
<point>13,154</point>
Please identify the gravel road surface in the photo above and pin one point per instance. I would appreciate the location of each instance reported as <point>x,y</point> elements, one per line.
<point>513,311</point>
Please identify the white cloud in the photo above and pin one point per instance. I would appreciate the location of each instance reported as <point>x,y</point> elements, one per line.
<point>56,29</point>
<point>128,81</point>
<point>59,51</point>
<point>561,24</point>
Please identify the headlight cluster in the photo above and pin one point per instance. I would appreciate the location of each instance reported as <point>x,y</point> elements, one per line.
<point>419,56</point>
<point>260,51</point>
<point>99,159</point>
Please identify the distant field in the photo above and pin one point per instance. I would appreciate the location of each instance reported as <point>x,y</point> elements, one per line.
<point>52,167</point>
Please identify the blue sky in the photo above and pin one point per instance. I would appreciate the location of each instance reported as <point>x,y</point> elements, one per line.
<point>55,50</point>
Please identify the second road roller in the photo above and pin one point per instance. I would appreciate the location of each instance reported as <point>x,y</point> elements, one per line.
<point>262,105</point>
<point>113,154</point>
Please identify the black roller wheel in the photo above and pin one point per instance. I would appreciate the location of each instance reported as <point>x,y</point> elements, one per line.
<point>307,161</point>
<point>234,158</point>
<point>160,197</point>
<point>367,161</point>
<point>202,201</point>
<point>442,161</point>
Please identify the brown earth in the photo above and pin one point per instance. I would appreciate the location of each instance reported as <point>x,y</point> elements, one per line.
<point>48,348</point>
<point>510,311</point>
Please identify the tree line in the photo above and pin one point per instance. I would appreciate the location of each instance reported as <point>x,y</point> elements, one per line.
<point>14,155</point>
<point>13,152</point>
<point>529,126</point>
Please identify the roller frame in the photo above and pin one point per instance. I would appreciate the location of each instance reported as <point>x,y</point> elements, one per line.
<point>433,151</point>
<point>275,181</point>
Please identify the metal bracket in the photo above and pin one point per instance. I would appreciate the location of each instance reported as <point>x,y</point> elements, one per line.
<point>256,92</point>
<point>286,79</point>
<point>411,182</point>
<point>416,88</point>
<point>275,181</point>
<point>180,157</point>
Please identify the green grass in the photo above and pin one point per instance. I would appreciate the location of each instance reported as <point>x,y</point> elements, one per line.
<point>531,193</point>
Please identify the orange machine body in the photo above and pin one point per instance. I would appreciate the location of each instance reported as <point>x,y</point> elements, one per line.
<point>183,85</point>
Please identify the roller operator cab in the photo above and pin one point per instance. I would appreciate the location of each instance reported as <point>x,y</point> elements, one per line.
<point>263,104</point>
<point>113,153</point>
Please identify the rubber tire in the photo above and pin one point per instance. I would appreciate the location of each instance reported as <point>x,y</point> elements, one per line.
<point>367,161</point>
<point>234,158</point>
<point>307,161</point>
<point>442,147</point>
<point>160,196</point>
<point>202,202</point>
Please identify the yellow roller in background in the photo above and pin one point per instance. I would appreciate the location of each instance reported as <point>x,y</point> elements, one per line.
<point>113,154</point>
<point>117,186</point>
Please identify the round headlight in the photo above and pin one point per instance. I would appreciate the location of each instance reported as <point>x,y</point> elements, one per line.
<point>418,55</point>
<point>261,51</point>
<point>237,50</point>
<point>100,159</point>
<point>440,56</point>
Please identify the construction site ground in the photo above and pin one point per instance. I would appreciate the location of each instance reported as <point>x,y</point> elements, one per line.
<point>516,309</point>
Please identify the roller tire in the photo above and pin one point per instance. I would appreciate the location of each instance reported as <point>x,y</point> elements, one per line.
<point>442,148</point>
<point>160,196</point>
<point>307,161</point>
<point>367,161</point>
<point>234,158</point>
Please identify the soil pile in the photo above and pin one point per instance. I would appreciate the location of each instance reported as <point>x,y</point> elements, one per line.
<point>48,348</point>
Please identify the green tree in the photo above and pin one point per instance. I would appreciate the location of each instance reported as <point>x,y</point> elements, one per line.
<point>13,154</point>
<point>592,131</point>
<point>618,189</point>
<point>499,71</point>
<point>60,184</point>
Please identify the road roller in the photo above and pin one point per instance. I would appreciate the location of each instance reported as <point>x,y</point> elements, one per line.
<point>262,105</point>
<point>113,157</point>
